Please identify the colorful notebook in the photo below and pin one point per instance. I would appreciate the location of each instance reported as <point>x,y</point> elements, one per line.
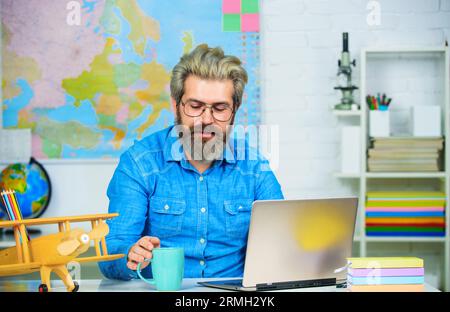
<point>385,262</point>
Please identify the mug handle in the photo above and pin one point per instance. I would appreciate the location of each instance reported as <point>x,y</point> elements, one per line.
<point>149,281</point>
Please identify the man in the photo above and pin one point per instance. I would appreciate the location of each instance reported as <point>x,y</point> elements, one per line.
<point>182,187</point>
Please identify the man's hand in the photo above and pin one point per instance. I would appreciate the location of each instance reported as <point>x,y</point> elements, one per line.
<point>142,250</point>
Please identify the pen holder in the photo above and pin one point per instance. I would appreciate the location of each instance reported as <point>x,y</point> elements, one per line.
<point>379,123</point>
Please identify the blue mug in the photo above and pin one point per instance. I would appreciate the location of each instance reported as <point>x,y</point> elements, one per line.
<point>167,268</point>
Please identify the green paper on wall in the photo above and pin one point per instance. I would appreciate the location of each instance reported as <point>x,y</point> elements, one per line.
<point>231,22</point>
<point>249,6</point>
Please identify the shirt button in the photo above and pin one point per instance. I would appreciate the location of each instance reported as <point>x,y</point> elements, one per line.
<point>166,207</point>
<point>202,240</point>
<point>203,210</point>
<point>202,263</point>
<point>201,178</point>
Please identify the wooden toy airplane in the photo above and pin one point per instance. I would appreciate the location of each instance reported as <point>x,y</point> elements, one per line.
<point>51,253</point>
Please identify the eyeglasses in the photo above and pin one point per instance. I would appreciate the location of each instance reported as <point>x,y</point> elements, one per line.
<point>219,111</point>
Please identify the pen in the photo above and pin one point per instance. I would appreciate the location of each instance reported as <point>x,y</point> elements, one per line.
<point>374,103</point>
<point>368,102</point>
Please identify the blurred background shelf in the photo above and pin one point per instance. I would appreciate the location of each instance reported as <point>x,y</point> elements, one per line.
<point>378,69</point>
<point>347,113</point>
<point>395,175</point>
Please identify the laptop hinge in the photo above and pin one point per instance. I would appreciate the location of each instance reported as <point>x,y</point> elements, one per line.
<point>297,284</point>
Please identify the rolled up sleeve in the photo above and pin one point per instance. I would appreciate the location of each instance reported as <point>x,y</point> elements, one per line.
<point>128,196</point>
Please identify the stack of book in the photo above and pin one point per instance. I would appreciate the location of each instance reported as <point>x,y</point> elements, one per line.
<point>405,214</point>
<point>405,154</point>
<point>402,274</point>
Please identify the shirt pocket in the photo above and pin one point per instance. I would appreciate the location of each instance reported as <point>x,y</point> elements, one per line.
<point>237,217</point>
<point>166,216</point>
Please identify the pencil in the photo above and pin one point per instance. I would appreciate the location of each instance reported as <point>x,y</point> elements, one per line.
<point>6,205</point>
<point>19,210</point>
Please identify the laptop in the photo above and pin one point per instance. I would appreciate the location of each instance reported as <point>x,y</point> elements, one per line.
<point>295,244</point>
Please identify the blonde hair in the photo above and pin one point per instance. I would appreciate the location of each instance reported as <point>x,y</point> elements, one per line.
<point>211,64</point>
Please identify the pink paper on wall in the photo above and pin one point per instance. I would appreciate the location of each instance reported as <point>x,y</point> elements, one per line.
<point>231,6</point>
<point>250,22</point>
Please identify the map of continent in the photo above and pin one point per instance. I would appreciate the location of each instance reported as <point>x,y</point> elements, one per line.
<point>90,89</point>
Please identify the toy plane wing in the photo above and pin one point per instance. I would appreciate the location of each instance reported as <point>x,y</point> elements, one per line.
<point>57,220</point>
<point>19,268</point>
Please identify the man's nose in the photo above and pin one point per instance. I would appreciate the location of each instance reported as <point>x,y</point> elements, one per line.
<point>207,117</point>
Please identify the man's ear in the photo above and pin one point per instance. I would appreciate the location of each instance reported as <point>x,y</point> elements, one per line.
<point>173,104</point>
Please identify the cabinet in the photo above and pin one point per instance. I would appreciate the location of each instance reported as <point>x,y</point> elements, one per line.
<point>413,76</point>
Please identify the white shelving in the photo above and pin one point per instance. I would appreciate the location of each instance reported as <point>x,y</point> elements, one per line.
<point>356,113</point>
<point>367,178</point>
<point>410,175</point>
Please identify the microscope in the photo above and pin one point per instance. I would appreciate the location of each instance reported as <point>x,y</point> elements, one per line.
<point>344,76</point>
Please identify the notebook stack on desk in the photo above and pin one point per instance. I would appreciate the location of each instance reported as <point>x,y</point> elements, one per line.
<point>402,274</point>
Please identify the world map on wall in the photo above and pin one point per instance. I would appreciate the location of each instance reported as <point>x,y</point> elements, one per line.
<point>89,90</point>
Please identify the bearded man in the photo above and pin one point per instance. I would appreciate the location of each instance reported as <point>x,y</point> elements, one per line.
<point>188,185</point>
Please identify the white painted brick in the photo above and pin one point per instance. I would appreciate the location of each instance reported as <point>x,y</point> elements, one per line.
<point>322,134</point>
<point>282,7</point>
<point>322,103</point>
<point>302,179</point>
<point>277,56</point>
<point>445,5</point>
<point>309,149</point>
<point>423,21</point>
<point>287,165</point>
<point>315,85</point>
<point>335,6</point>
<point>409,6</point>
<point>297,150</point>
<point>426,85</point>
<point>322,167</point>
<point>285,40</point>
<point>285,85</point>
<point>324,39</point>
<point>360,39</point>
<point>286,104</point>
<point>311,55</point>
<point>297,22</point>
<point>283,72</point>
<point>348,23</point>
<point>324,69</point>
<point>409,38</point>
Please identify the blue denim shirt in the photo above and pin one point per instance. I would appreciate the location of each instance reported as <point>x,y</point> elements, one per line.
<point>159,193</point>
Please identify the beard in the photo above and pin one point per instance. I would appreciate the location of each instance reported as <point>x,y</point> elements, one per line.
<point>198,148</point>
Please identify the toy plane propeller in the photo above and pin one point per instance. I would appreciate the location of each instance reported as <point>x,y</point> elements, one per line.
<point>52,253</point>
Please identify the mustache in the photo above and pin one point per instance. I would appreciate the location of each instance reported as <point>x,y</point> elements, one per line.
<point>204,128</point>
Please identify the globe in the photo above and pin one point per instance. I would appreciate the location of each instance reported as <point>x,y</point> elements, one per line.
<point>32,186</point>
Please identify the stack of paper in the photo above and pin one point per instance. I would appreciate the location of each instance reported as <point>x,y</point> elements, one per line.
<point>405,214</point>
<point>385,274</point>
<point>403,154</point>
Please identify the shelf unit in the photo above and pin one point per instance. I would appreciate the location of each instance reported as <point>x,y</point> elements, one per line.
<point>365,177</point>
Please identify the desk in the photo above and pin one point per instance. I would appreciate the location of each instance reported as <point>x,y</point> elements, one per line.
<point>189,285</point>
